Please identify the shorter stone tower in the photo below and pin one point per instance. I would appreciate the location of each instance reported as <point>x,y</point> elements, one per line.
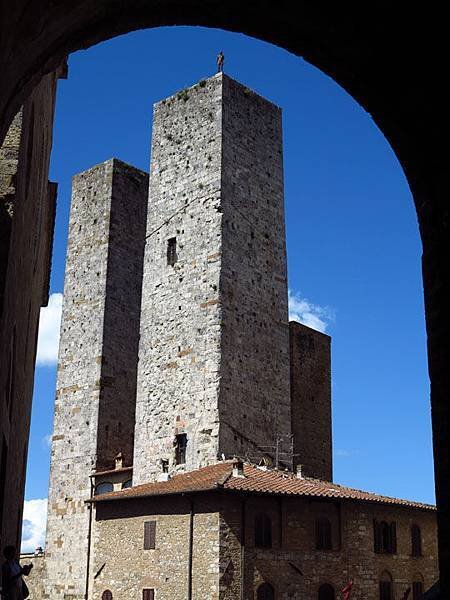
<point>96,387</point>
<point>311,401</point>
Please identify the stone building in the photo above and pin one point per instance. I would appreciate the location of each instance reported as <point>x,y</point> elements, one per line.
<point>234,530</point>
<point>27,211</point>
<point>176,355</point>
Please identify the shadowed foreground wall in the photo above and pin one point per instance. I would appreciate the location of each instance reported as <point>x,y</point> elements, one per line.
<point>27,210</point>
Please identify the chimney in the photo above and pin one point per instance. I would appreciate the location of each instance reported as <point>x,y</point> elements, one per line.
<point>299,472</point>
<point>238,467</point>
<point>119,461</point>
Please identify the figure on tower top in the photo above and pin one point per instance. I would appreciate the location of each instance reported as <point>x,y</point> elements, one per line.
<point>220,61</point>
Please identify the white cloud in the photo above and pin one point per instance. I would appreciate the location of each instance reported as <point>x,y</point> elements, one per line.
<point>312,315</point>
<point>34,521</point>
<point>342,453</point>
<point>48,337</point>
<point>47,441</point>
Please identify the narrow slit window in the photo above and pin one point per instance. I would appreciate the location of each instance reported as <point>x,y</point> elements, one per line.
<point>180,448</point>
<point>172,251</point>
<point>149,535</point>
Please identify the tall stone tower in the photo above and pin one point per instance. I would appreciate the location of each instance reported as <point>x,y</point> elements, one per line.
<point>213,373</point>
<point>96,387</point>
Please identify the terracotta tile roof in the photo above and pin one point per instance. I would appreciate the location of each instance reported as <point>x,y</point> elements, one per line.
<point>256,480</point>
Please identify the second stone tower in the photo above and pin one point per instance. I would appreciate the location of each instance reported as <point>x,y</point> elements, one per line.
<point>213,373</point>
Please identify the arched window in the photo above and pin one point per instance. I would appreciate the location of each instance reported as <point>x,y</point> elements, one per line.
<point>107,595</point>
<point>323,534</point>
<point>385,586</point>
<point>326,592</point>
<point>127,484</point>
<point>263,531</point>
<point>265,592</point>
<point>416,541</point>
<point>385,537</point>
<point>417,587</point>
<point>104,488</point>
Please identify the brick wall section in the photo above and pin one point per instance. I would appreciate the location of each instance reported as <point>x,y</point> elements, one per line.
<point>310,353</point>
<point>95,397</point>
<point>118,545</point>
<point>218,560</point>
<point>29,214</point>
<point>214,324</point>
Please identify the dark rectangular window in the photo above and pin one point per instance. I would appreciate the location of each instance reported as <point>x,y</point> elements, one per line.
<point>149,535</point>
<point>148,594</point>
<point>416,541</point>
<point>323,534</point>
<point>171,251</point>
<point>263,531</point>
<point>3,465</point>
<point>180,448</point>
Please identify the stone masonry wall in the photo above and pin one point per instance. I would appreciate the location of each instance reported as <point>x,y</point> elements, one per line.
<point>120,563</point>
<point>311,400</point>
<point>254,402</point>
<point>95,397</point>
<point>179,354</point>
<point>214,323</point>
<point>293,565</point>
<point>27,208</point>
<point>296,569</point>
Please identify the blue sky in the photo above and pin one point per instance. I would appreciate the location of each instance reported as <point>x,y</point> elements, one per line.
<point>352,237</point>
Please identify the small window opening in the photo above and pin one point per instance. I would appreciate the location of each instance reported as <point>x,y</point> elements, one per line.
<point>149,535</point>
<point>323,534</point>
<point>385,590</point>
<point>265,592</point>
<point>385,537</point>
<point>180,448</point>
<point>172,251</point>
<point>416,541</point>
<point>417,590</point>
<point>107,595</point>
<point>103,488</point>
<point>164,465</point>
<point>148,594</point>
<point>385,586</point>
<point>326,592</point>
<point>263,531</point>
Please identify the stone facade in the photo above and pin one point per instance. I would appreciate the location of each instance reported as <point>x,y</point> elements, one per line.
<point>96,386</point>
<point>222,565</point>
<point>27,210</point>
<point>310,353</point>
<point>214,346</point>
<point>219,372</point>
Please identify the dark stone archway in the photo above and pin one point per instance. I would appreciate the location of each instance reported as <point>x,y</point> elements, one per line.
<point>379,57</point>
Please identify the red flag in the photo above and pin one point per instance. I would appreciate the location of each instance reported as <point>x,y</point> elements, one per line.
<point>347,590</point>
<point>406,594</point>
